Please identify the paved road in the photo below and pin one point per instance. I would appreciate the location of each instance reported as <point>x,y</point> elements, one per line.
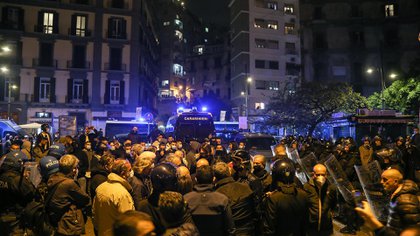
<point>337,227</point>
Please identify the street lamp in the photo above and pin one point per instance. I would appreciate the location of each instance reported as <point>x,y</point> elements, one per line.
<point>248,82</point>
<point>381,73</point>
<point>9,101</point>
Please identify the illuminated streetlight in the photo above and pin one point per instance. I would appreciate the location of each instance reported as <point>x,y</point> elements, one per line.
<point>369,71</point>
<point>6,49</point>
<point>4,69</point>
<point>393,76</point>
<point>242,93</point>
<point>249,79</point>
<point>9,101</point>
<point>381,73</point>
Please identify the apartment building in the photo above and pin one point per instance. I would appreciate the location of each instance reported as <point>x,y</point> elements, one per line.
<point>342,40</point>
<point>265,53</point>
<point>93,59</point>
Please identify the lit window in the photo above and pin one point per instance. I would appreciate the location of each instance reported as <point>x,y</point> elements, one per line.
<point>178,23</point>
<point>178,69</point>
<point>289,28</point>
<point>199,49</point>
<point>272,25</point>
<point>44,89</point>
<point>81,26</point>
<point>48,23</point>
<point>259,105</point>
<point>272,5</point>
<point>165,82</point>
<point>115,92</point>
<point>389,10</point>
<point>178,34</point>
<point>77,90</point>
<point>289,9</point>
<point>166,23</point>
<point>259,23</point>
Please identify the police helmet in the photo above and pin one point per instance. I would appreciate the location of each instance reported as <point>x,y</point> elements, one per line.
<point>48,166</point>
<point>57,150</point>
<point>389,153</point>
<point>283,171</point>
<point>164,178</point>
<point>14,160</point>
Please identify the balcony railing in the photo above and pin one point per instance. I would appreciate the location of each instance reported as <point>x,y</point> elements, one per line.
<point>39,63</point>
<point>120,4</point>
<point>46,29</point>
<point>80,32</point>
<point>116,35</point>
<point>78,65</point>
<point>121,67</point>
<point>83,2</point>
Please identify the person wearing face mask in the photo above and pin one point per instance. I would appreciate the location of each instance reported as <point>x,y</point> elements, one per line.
<point>68,200</point>
<point>259,164</point>
<point>112,198</point>
<point>322,197</point>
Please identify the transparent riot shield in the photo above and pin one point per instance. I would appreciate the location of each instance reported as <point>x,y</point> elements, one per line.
<point>307,163</point>
<point>294,156</point>
<point>370,179</point>
<point>340,178</point>
<point>31,170</point>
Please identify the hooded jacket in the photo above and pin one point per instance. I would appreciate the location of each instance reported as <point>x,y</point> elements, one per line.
<point>112,198</point>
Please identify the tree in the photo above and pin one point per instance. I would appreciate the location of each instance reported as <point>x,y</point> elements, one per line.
<point>312,104</point>
<point>403,95</point>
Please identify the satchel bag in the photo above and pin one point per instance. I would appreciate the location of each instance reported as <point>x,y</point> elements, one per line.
<point>72,222</point>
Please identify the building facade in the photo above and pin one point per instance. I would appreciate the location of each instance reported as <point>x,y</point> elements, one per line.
<point>93,59</point>
<point>342,40</point>
<point>265,52</point>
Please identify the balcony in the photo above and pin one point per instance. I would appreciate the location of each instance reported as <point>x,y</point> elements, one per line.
<point>117,4</point>
<point>291,51</point>
<point>44,63</point>
<point>46,29</point>
<point>78,65</point>
<point>80,32</point>
<point>116,35</point>
<point>11,25</point>
<point>115,67</point>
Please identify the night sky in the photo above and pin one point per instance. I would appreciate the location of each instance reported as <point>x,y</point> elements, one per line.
<point>211,11</point>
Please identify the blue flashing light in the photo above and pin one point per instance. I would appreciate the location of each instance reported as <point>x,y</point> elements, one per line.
<point>142,119</point>
<point>204,109</point>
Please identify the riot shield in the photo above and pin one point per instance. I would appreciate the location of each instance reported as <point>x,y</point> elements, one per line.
<point>294,156</point>
<point>340,178</point>
<point>307,163</point>
<point>32,172</point>
<point>370,179</point>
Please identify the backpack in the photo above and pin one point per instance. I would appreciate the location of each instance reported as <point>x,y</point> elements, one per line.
<point>36,217</point>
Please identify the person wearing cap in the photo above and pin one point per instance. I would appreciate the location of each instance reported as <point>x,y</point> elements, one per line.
<point>16,191</point>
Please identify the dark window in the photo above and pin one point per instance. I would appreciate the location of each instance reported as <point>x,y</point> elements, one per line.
<point>217,62</point>
<point>192,66</point>
<point>318,15</point>
<point>273,65</point>
<point>85,2</point>
<point>355,12</point>
<point>12,18</point>
<point>115,58</point>
<point>117,3</point>
<point>260,64</point>
<point>79,56</point>
<point>320,72</point>
<point>320,40</point>
<point>290,48</point>
<point>391,37</point>
<point>357,38</point>
<point>117,28</point>
<point>205,64</point>
<point>46,52</point>
<point>292,69</point>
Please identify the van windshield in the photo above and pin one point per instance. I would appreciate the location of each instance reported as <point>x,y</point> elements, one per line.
<point>261,143</point>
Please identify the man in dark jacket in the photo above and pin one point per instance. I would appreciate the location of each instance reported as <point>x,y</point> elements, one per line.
<point>134,136</point>
<point>259,164</point>
<point>404,206</point>
<point>322,197</point>
<point>286,209</point>
<point>210,210</point>
<point>101,167</point>
<point>241,199</point>
<point>15,192</point>
<point>67,194</point>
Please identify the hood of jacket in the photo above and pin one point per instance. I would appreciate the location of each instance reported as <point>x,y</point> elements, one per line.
<point>114,178</point>
<point>408,187</point>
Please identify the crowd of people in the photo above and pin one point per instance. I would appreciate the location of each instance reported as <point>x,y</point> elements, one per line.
<point>179,187</point>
